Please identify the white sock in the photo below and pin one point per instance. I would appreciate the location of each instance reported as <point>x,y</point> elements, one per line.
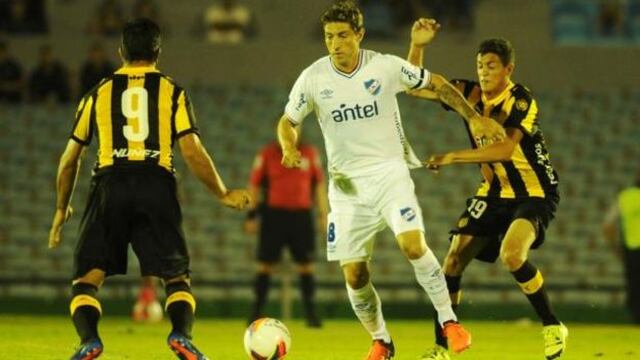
<point>430,277</point>
<point>368,308</point>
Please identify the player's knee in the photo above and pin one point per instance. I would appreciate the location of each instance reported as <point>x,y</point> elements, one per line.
<point>356,276</point>
<point>177,279</point>
<point>94,277</point>
<point>412,244</point>
<point>452,264</point>
<point>512,259</point>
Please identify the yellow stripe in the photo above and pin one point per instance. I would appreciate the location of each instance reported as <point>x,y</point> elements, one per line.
<point>164,125</point>
<point>136,148</point>
<point>532,285</point>
<point>182,116</point>
<point>456,297</point>
<point>84,300</point>
<point>103,119</point>
<point>181,296</point>
<point>529,121</point>
<point>82,127</point>
<point>506,191</point>
<point>528,175</point>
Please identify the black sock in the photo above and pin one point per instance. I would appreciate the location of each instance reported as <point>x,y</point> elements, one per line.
<point>453,285</point>
<point>307,290</point>
<point>261,292</point>
<point>181,312</point>
<point>85,317</point>
<point>531,282</point>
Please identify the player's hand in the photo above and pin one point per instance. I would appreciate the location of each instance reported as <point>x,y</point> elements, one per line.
<point>237,199</point>
<point>291,158</point>
<point>423,31</point>
<point>436,161</point>
<point>251,226</point>
<point>486,129</point>
<point>59,218</point>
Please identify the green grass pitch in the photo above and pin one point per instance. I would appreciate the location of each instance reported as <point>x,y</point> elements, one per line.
<point>52,338</point>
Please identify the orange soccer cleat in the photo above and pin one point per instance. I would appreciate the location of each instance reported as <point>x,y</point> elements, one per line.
<point>381,351</point>
<point>459,339</point>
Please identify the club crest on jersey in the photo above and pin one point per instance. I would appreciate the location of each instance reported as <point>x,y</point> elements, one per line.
<point>408,214</point>
<point>326,94</point>
<point>373,86</point>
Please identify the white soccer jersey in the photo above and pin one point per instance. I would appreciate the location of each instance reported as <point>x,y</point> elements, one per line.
<point>358,112</point>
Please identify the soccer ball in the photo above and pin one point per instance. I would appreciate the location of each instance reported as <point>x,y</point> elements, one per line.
<point>267,339</point>
<point>151,312</point>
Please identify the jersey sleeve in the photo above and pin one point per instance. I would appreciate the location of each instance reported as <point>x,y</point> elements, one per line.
<point>81,132</point>
<point>185,120</point>
<point>407,76</point>
<point>258,170</point>
<point>523,112</point>
<point>300,100</point>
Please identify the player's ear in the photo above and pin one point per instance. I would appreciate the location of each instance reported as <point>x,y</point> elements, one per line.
<point>120,54</point>
<point>510,68</point>
<point>360,33</point>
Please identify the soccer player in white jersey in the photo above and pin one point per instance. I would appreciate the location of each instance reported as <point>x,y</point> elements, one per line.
<point>353,94</point>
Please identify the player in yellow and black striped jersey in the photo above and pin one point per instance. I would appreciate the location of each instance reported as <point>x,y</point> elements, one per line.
<point>518,196</point>
<point>136,116</point>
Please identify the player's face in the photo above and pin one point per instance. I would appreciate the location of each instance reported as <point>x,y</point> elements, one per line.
<point>343,43</point>
<point>492,74</point>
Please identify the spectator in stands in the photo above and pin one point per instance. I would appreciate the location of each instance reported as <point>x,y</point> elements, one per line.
<point>11,77</point>
<point>228,22</point>
<point>286,220</point>
<point>96,68</point>
<point>23,16</point>
<point>50,79</point>
<point>611,17</point>
<point>108,20</point>
<point>147,9</point>
<point>622,231</point>
<point>455,14</point>
<point>380,22</point>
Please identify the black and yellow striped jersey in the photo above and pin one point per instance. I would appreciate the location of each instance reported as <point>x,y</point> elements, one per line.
<point>137,114</point>
<point>529,172</point>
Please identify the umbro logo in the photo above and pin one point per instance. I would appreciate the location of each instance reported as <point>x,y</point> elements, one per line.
<point>326,94</point>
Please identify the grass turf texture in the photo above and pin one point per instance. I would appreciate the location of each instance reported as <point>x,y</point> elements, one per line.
<point>51,338</point>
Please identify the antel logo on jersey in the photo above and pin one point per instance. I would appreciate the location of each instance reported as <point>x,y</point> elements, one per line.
<point>373,86</point>
<point>356,112</point>
<point>408,214</point>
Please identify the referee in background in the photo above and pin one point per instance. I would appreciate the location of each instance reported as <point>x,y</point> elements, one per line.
<point>286,220</point>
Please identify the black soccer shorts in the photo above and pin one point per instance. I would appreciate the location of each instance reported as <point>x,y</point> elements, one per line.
<point>291,228</point>
<point>136,206</point>
<point>491,218</point>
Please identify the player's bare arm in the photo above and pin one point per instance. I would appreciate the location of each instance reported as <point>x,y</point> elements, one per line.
<point>65,183</point>
<point>201,165</point>
<point>494,152</point>
<point>288,138</point>
<point>322,203</point>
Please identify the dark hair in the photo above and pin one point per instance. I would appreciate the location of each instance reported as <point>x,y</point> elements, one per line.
<point>141,40</point>
<point>344,11</point>
<point>500,47</point>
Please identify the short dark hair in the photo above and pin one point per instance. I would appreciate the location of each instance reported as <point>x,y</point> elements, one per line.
<point>500,47</point>
<point>344,11</point>
<point>141,40</point>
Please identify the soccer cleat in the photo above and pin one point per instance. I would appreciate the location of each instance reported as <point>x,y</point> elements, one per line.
<point>89,350</point>
<point>184,349</point>
<point>436,353</point>
<point>381,350</point>
<point>555,340</point>
<point>458,338</point>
